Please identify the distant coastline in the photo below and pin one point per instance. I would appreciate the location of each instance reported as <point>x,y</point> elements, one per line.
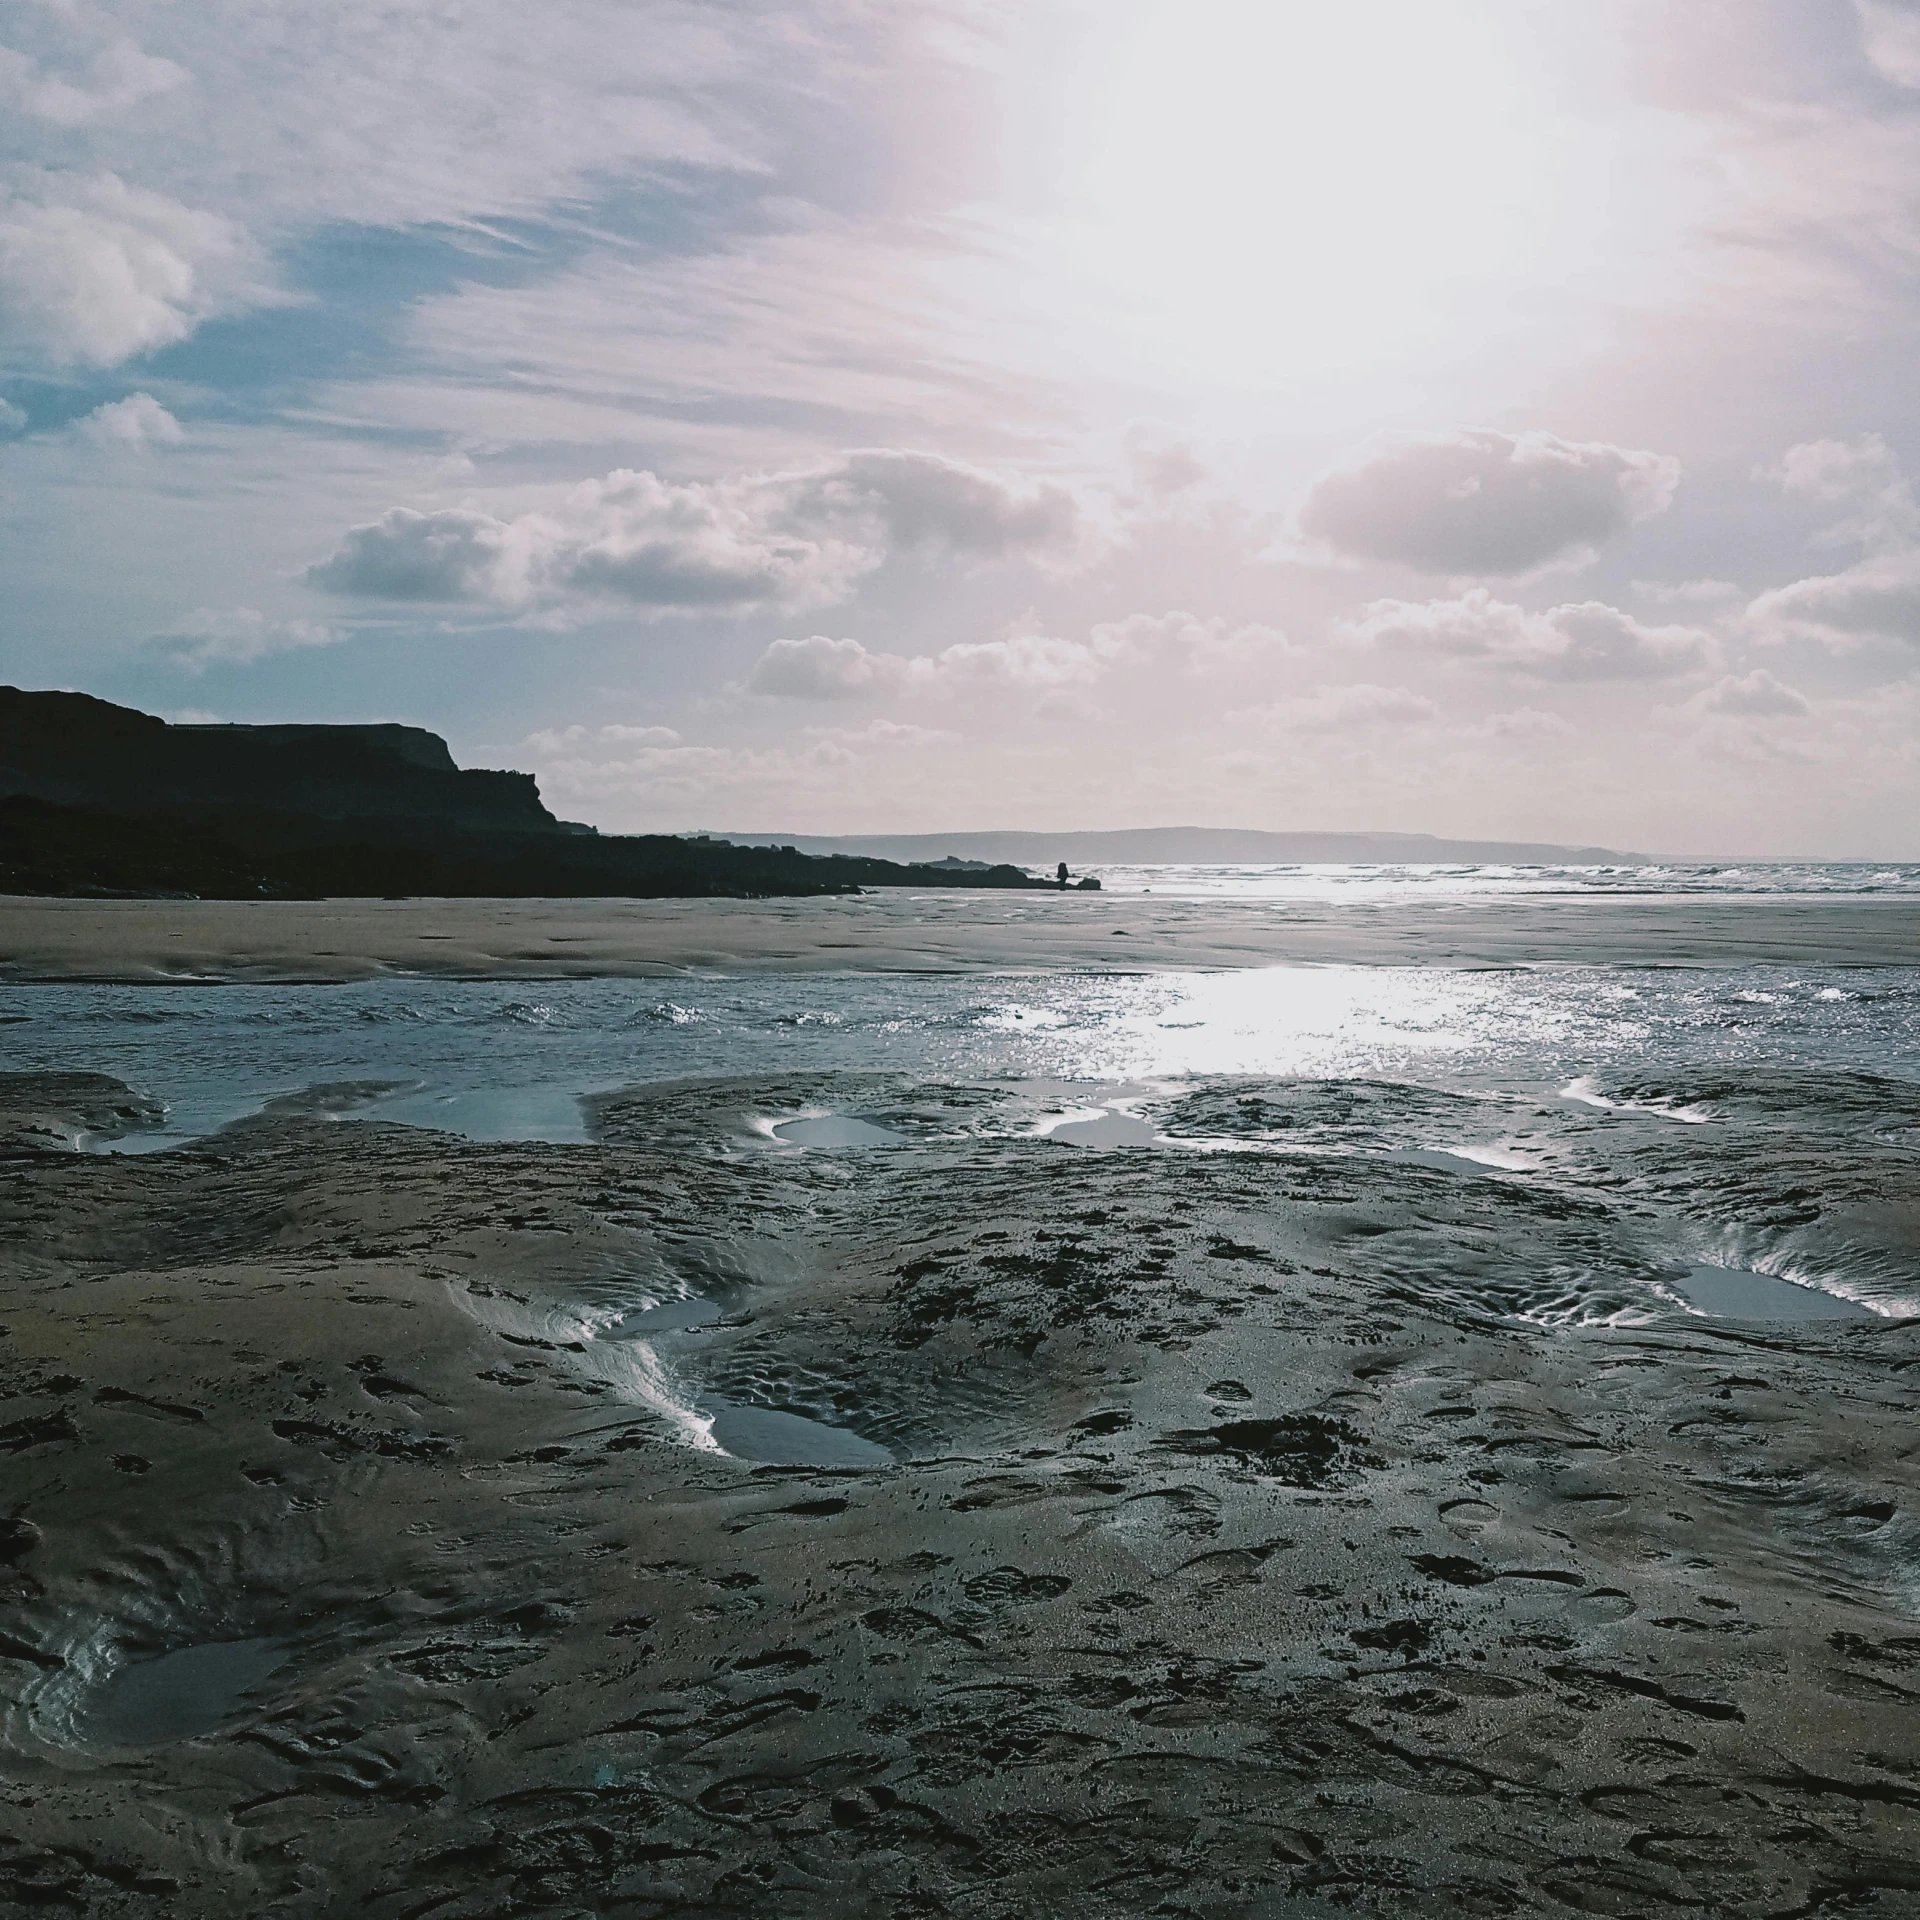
<point>1185,846</point>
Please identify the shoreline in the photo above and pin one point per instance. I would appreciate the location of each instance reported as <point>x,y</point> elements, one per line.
<point>46,941</point>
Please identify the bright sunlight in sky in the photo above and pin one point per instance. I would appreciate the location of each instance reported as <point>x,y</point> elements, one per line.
<point>1491,418</point>
<point>1270,187</point>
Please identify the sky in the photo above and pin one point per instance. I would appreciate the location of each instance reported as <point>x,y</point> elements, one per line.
<point>1496,418</point>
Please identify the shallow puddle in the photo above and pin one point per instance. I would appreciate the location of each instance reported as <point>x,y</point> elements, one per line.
<point>180,1695</point>
<point>789,1439</point>
<point>1443,1162</point>
<point>1109,1129</point>
<point>549,1113</point>
<point>1735,1293</point>
<point>836,1130</point>
<point>676,1316</point>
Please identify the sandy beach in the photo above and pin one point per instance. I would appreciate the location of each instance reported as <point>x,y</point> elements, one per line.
<point>146,941</point>
<point>1099,1532</point>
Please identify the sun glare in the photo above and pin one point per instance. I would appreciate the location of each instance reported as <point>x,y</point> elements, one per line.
<point>1272,187</point>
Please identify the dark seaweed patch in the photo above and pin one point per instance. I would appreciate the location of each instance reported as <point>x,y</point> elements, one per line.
<point>1297,1449</point>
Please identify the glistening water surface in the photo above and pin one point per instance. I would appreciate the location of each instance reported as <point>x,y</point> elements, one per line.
<point>1699,1109</point>
<point>1412,880</point>
<point>498,1061</point>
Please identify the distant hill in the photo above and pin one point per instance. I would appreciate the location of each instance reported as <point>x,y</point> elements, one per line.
<point>97,799</point>
<point>1195,846</point>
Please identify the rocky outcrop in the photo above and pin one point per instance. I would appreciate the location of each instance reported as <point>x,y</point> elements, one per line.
<point>75,751</point>
<point>99,800</point>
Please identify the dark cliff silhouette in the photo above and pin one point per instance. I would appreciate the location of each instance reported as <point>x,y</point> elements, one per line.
<point>73,750</point>
<point>99,799</point>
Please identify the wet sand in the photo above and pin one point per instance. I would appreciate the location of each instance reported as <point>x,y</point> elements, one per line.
<point>1239,1533</point>
<point>150,941</point>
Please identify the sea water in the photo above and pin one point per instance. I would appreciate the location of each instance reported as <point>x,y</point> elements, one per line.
<point>1773,1061</point>
<point>504,1061</point>
<point>1355,882</point>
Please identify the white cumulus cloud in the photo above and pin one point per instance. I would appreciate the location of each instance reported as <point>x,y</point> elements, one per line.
<point>94,271</point>
<point>819,668</point>
<point>133,425</point>
<point>1585,640</point>
<point>764,540</point>
<point>1481,502</point>
<point>1754,696</point>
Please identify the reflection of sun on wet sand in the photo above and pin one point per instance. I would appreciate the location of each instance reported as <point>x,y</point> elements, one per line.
<point>741,1511</point>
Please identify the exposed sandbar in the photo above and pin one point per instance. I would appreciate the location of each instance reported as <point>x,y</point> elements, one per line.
<point>152,941</point>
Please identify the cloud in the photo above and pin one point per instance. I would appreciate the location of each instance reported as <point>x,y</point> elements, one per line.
<point>589,767</point>
<point>93,271</point>
<point>1525,723</point>
<point>820,668</point>
<point>926,503</point>
<point>1831,470</point>
<point>640,736</point>
<point>1162,465</point>
<point>1021,660</point>
<point>762,541</point>
<point>1753,696</point>
<point>133,425</point>
<point>237,636</point>
<point>1687,593</point>
<point>1185,641</point>
<point>550,742</point>
<point>1879,599</point>
<point>284,123</point>
<point>12,419</point>
<point>1586,640</point>
<point>1862,474</point>
<point>1485,502</point>
<point>1361,707</point>
<point>458,554</point>
<point>885,733</point>
<point>119,76</point>
<point>1890,33</point>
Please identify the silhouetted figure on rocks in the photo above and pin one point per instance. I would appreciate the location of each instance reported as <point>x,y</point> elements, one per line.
<point>1062,876</point>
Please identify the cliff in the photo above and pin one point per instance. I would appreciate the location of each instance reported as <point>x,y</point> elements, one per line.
<point>76,751</point>
<point>98,799</point>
